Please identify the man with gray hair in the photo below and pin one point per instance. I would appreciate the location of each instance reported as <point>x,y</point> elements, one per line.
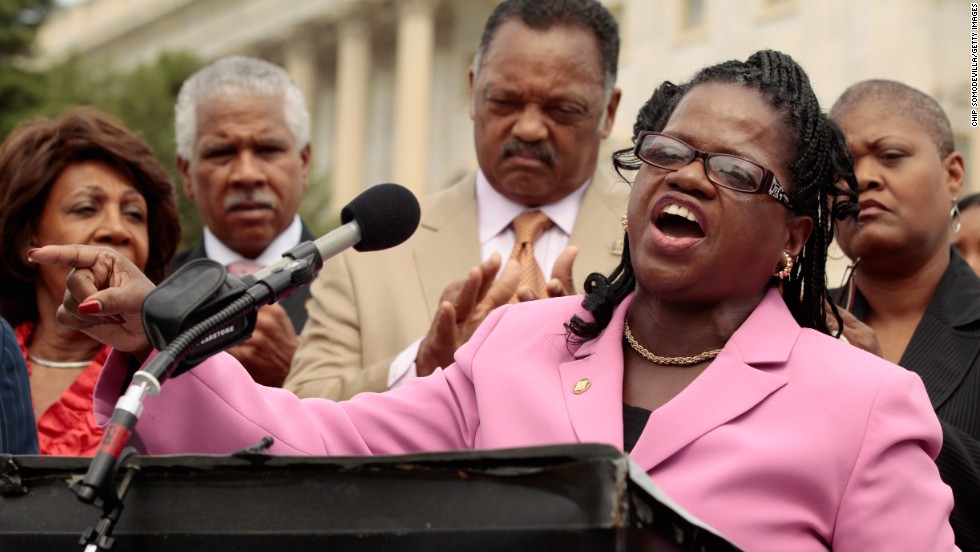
<point>243,152</point>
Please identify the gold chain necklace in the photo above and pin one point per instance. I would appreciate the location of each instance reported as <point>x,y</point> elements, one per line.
<point>668,361</point>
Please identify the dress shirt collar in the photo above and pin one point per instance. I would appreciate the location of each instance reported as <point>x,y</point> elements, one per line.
<point>495,212</point>
<point>220,252</point>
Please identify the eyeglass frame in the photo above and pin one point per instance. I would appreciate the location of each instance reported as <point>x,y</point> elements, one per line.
<point>769,184</point>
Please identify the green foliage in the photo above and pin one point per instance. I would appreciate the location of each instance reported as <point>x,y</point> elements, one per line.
<point>20,91</point>
<point>142,98</point>
<point>313,209</point>
<point>19,20</point>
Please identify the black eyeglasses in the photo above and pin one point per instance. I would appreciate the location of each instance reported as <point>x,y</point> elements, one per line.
<point>728,171</point>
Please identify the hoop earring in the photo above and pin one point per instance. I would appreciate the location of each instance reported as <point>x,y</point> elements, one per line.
<point>625,222</point>
<point>787,268</point>
<point>834,252</point>
<point>954,219</point>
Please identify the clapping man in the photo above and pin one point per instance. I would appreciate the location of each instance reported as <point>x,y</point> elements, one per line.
<point>243,147</point>
<point>543,97</point>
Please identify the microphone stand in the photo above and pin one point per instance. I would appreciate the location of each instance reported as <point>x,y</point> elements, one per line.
<point>98,487</point>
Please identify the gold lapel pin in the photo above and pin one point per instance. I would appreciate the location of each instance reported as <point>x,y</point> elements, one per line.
<point>581,386</point>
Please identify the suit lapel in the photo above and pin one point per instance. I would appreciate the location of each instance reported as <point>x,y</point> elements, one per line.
<point>295,304</point>
<point>450,245</point>
<point>304,233</point>
<point>740,378</point>
<point>600,362</point>
<point>725,391</point>
<point>188,255</point>
<point>598,232</point>
<point>946,343</point>
<point>942,356</point>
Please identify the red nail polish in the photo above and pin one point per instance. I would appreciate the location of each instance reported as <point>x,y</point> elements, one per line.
<point>30,254</point>
<point>90,307</point>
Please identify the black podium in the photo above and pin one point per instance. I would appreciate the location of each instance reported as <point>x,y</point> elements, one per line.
<point>568,498</point>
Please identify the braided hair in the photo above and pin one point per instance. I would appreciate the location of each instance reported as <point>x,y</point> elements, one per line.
<point>822,187</point>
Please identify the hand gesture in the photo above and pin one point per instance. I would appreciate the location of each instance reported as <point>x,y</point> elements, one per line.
<point>561,283</point>
<point>268,353</point>
<point>856,333</point>
<point>104,294</point>
<point>463,307</point>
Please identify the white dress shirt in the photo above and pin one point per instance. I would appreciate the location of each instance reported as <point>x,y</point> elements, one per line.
<point>289,239</point>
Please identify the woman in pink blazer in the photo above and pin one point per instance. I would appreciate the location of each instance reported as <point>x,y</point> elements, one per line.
<point>705,354</point>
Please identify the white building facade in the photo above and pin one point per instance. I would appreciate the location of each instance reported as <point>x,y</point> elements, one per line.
<point>386,80</point>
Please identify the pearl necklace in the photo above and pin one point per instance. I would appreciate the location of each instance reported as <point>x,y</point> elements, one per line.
<point>58,364</point>
<point>668,361</point>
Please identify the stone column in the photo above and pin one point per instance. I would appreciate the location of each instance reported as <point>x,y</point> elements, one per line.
<point>300,63</point>
<point>353,71</point>
<point>413,84</point>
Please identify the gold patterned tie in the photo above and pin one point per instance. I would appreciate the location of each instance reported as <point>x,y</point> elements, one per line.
<point>528,227</point>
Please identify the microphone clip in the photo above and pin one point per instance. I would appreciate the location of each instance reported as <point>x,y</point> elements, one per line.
<point>298,268</point>
<point>203,287</point>
<point>190,295</point>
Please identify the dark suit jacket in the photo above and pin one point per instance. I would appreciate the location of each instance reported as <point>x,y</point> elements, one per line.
<point>18,430</point>
<point>295,304</point>
<point>945,352</point>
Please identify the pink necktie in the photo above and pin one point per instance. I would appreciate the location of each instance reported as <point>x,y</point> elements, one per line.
<point>528,227</point>
<point>243,267</point>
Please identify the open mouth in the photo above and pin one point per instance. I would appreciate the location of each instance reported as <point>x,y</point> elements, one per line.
<point>677,221</point>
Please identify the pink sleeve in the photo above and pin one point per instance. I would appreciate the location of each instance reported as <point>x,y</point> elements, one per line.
<point>894,498</point>
<point>216,408</point>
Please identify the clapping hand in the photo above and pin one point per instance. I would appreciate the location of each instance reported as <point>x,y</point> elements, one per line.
<point>268,353</point>
<point>463,307</point>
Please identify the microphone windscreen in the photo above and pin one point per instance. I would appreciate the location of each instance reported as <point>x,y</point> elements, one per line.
<point>387,214</point>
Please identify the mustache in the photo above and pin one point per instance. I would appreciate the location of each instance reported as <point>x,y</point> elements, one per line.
<point>253,197</point>
<point>534,149</point>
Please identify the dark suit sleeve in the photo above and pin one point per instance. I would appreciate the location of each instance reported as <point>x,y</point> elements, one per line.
<point>18,432</point>
<point>959,465</point>
<point>295,304</point>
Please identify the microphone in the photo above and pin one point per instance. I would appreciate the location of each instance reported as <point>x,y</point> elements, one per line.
<point>382,216</point>
<point>201,309</point>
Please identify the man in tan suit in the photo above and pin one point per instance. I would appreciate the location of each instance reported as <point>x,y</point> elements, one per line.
<point>543,98</point>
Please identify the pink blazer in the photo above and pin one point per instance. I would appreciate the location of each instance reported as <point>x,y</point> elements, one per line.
<point>789,440</point>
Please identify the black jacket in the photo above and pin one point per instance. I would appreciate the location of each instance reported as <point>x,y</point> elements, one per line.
<point>945,352</point>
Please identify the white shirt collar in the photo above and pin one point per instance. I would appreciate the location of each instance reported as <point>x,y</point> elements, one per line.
<point>220,252</point>
<point>495,212</point>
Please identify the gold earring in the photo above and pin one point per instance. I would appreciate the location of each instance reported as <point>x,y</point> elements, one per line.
<point>787,268</point>
<point>625,222</point>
